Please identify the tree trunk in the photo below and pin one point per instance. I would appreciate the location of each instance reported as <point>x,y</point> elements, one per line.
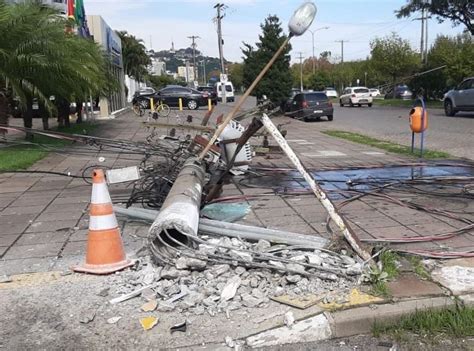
<point>4,112</point>
<point>28,116</point>
<point>63,113</point>
<point>79,111</point>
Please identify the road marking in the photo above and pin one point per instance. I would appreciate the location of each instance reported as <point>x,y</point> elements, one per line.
<point>373,153</point>
<point>328,153</point>
<point>296,140</point>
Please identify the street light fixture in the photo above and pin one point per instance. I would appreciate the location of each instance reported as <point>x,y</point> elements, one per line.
<point>312,36</point>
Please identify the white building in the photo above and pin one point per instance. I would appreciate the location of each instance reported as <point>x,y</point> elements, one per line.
<point>186,72</point>
<point>157,67</point>
<point>110,41</point>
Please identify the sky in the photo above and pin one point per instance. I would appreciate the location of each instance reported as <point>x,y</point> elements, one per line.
<point>159,22</point>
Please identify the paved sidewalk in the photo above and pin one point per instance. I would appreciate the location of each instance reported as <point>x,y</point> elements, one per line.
<point>44,218</point>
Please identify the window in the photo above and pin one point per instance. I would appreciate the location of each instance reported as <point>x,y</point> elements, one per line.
<point>316,97</point>
<point>467,84</point>
<point>361,90</point>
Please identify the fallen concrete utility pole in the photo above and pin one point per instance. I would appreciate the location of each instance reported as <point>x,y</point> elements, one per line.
<point>219,228</point>
<point>318,191</point>
<point>179,214</point>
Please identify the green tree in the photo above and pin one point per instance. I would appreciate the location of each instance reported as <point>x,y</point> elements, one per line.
<point>236,72</point>
<point>277,83</point>
<point>394,57</point>
<point>38,59</point>
<point>457,11</point>
<point>135,58</point>
<point>457,54</point>
<point>318,81</point>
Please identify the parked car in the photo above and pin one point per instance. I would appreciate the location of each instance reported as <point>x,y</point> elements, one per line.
<point>286,105</point>
<point>401,92</point>
<point>374,92</point>
<point>229,91</point>
<point>191,98</point>
<point>211,91</point>
<point>461,98</point>
<point>145,91</point>
<point>356,96</point>
<point>331,93</point>
<point>311,105</point>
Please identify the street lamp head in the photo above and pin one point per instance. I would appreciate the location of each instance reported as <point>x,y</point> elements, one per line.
<point>302,18</point>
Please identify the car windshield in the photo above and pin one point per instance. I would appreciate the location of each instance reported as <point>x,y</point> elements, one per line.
<point>316,97</point>
<point>361,90</point>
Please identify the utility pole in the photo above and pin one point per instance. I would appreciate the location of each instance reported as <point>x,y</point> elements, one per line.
<point>193,45</point>
<point>301,70</point>
<point>204,79</point>
<point>342,48</point>
<point>312,38</point>
<point>424,35</point>
<point>219,18</point>
<point>422,44</point>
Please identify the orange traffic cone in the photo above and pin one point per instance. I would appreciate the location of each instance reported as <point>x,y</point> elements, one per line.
<point>105,253</point>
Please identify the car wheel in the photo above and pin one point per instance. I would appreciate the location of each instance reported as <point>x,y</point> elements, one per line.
<point>340,103</point>
<point>448,108</point>
<point>330,117</point>
<point>192,105</point>
<point>370,105</point>
<point>350,103</point>
<point>359,105</point>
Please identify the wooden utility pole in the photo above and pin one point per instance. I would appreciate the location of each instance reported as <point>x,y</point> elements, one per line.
<point>219,18</point>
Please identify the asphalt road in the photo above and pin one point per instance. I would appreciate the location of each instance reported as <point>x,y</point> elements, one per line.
<point>454,135</point>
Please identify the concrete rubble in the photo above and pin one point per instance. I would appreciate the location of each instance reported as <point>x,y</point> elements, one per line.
<point>197,287</point>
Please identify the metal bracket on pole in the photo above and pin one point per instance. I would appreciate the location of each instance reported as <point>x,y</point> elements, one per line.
<point>318,191</point>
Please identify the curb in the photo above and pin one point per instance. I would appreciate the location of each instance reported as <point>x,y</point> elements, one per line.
<point>345,323</point>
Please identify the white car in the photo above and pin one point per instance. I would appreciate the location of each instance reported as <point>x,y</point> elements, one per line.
<point>374,92</point>
<point>356,96</point>
<point>331,93</point>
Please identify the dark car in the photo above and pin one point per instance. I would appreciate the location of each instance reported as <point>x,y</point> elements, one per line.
<point>401,92</point>
<point>286,105</point>
<point>311,105</point>
<point>191,98</point>
<point>211,91</point>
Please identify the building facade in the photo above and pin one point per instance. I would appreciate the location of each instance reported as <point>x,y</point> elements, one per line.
<point>157,67</point>
<point>110,41</point>
<point>186,72</point>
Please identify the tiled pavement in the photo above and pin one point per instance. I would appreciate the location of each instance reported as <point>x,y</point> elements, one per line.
<point>43,218</point>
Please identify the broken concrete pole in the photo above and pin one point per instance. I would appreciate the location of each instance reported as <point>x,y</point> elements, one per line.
<point>179,214</point>
<point>219,228</point>
<point>351,238</point>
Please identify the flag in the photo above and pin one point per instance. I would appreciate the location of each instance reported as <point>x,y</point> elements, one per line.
<point>70,9</point>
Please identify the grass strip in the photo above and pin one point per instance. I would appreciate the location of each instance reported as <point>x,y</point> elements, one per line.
<point>406,103</point>
<point>385,145</point>
<point>457,321</point>
<point>20,157</point>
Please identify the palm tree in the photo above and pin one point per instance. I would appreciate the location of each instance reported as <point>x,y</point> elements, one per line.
<point>135,58</point>
<point>38,59</point>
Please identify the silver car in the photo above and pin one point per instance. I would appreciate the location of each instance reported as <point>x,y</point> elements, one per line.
<point>460,98</point>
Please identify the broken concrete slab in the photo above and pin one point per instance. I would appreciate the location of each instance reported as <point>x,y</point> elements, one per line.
<point>458,279</point>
